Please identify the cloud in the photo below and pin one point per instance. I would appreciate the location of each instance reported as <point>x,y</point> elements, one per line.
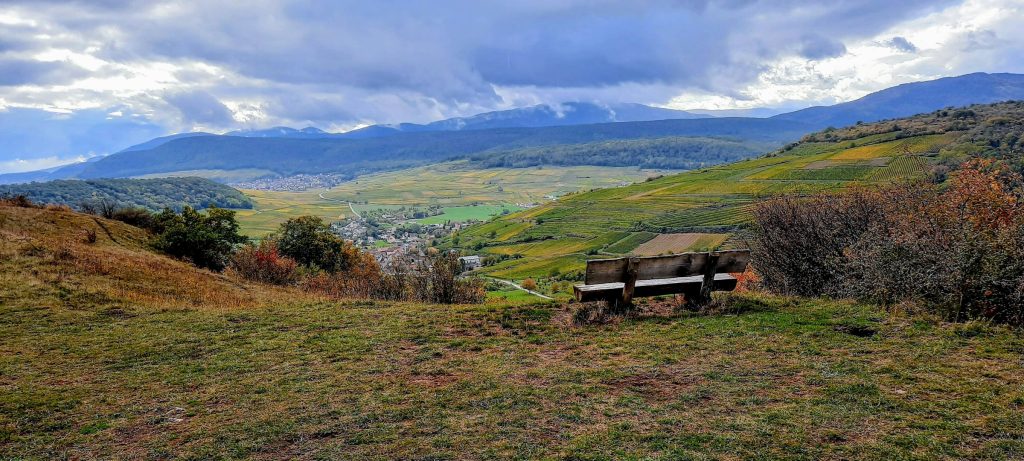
<point>34,138</point>
<point>19,165</point>
<point>220,64</point>
<point>818,47</point>
<point>15,71</point>
<point>901,44</point>
<point>200,108</point>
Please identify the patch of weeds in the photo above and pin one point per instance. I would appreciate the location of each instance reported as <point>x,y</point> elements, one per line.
<point>972,329</point>
<point>94,427</point>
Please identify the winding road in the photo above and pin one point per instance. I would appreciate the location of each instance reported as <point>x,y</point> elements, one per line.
<point>342,201</point>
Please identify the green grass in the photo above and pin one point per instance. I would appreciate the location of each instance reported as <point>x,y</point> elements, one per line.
<point>468,213</point>
<point>366,380</point>
<point>110,351</point>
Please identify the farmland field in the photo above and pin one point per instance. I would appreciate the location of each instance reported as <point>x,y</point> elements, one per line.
<point>469,213</point>
<point>714,201</point>
<point>454,185</point>
<point>678,243</point>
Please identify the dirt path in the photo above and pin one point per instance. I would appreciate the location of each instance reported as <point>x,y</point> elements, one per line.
<point>342,201</point>
<point>507,282</point>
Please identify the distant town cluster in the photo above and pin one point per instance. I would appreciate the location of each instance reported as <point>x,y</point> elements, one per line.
<point>296,183</point>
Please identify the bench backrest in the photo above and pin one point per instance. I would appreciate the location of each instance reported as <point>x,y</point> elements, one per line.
<point>663,267</point>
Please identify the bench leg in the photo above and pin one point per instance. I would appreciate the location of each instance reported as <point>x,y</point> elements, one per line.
<point>630,283</point>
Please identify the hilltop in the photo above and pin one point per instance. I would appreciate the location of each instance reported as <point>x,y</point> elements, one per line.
<point>708,208</point>
<point>113,351</point>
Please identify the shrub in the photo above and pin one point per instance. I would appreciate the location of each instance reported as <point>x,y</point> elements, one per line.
<point>17,201</point>
<point>530,284</point>
<point>207,240</point>
<point>443,284</point>
<point>134,216</point>
<point>958,249</point>
<point>263,263</point>
<point>309,241</point>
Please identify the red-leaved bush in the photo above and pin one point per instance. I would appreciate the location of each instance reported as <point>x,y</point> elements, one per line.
<point>263,262</point>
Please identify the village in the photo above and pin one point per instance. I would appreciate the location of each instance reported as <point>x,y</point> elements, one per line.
<point>394,236</point>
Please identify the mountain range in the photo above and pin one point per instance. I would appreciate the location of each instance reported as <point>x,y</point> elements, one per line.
<point>282,151</point>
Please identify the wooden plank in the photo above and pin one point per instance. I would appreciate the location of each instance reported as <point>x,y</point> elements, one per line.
<point>630,282</point>
<point>669,266</point>
<point>680,265</point>
<point>644,288</point>
<point>606,270</point>
<point>733,261</point>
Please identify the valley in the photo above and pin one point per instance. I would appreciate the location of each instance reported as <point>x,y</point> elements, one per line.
<point>483,231</point>
<point>465,192</point>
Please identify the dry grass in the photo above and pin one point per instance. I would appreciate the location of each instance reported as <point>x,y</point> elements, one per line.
<point>108,351</point>
<point>50,248</point>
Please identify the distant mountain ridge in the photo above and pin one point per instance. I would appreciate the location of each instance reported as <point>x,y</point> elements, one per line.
<point>289,156</point>
<point>542,115</point>
<point>915,98</point>
<point>289,151</point>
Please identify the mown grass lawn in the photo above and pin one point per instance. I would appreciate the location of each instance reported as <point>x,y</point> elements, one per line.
<point>782,379</point>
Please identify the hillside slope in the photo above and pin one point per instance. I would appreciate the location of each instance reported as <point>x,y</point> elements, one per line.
<point>45,260</point>
<point>712,204</point>
<point>110,351</point>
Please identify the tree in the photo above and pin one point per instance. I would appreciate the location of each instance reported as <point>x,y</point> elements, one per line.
<point>207,240</point>
<point>310,242</point>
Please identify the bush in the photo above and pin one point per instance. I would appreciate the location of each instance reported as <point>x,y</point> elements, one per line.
<point>310,242</point>
<point>206,240</point>
<point>530,284</point>
<point>442,284</point>
<point>20,201</point>
<point>134,216</point>
<point>263,263</point>
<point>959,249</point>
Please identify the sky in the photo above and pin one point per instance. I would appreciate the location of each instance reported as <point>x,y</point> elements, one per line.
<point>86,78</point>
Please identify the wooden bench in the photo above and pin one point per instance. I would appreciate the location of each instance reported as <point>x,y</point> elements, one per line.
<point>694,275</point>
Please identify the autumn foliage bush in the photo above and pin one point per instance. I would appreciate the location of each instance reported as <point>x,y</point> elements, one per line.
<point>957,248</point>
<point>262,262</point>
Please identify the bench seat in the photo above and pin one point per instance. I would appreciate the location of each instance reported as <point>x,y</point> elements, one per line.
<point>652,287</point>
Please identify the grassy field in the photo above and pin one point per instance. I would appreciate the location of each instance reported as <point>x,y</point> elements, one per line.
<point>711,202</point>
<point>468,213</point>
<point>452,184</point>
<point>109,351</point>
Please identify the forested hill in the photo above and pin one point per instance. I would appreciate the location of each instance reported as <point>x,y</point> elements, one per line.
<point>152,194</point>
<point>683,153</point>
<point>287,156</point>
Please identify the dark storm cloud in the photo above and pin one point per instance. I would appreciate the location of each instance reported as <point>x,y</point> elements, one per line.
<point>16,72</point>
<point>818,47</point>
<point>455,51</point>
<point>200,107</point>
